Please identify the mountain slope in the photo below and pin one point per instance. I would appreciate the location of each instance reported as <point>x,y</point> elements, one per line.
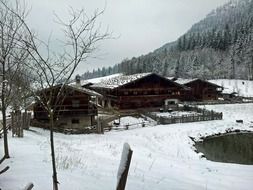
<point>219,46</point>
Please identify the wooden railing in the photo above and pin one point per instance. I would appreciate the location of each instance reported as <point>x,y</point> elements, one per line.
<point>67,113</point>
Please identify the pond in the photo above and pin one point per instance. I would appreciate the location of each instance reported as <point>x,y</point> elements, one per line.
<point>229,148</point>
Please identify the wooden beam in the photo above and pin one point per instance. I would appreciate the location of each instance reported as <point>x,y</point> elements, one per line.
<point>4,170</point>
<point>124,166</point>
<point>29,186</point>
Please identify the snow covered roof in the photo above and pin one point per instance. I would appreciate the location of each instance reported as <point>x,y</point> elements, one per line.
<point>100,79</point>
<point>95,80</point>
<point>82,83</point>
<point>78,88</point>
<point>85,90</point>
<point>184,81</point>
<point>120,80</point>
<point>172,78</point>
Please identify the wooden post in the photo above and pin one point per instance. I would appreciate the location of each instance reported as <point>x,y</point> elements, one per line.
<point>4,170</point>
<point>100,129</point>
<point>98,125</point>
<point>20,124</point>
<point>25,120</point>
<point>124,167</point>
<point>29,116</point>
<point>12,123</point>
<point>29,186</point>
<point>17,123</point>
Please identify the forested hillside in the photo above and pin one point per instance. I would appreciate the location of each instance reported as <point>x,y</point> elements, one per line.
<point>219,46</point>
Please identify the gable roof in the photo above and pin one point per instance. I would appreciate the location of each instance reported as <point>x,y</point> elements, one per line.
<point>84,90</point>
<point>100,79</point>
<point>184,81</point>
<point>118,81</point>
<point>77,88</point>
<point>188,81</point>
<point>123,80</point>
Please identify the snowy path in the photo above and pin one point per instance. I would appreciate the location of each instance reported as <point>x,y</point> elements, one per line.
<point>163,158</point>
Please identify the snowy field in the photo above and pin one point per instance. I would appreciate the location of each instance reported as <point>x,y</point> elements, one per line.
<point>163,158</point>
<point>242,87</point>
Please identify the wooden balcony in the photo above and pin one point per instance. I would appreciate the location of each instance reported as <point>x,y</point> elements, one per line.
<point>67,113</point>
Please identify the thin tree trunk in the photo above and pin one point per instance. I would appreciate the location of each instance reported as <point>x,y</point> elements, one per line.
<point>251,68</point>
<point>55,181</point>
<point>3,109</point>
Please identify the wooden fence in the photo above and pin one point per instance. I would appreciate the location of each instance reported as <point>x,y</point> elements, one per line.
<point>201,115</point>
<point>19,122</point>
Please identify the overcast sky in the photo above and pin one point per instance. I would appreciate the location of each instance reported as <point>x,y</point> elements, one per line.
<point>140,25</point>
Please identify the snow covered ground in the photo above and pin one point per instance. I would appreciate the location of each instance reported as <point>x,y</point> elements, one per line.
<point>163,158</point>
<point>242,87</point>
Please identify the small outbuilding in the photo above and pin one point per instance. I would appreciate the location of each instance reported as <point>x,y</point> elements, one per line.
<point>201,90</point>
<point>77,110</point>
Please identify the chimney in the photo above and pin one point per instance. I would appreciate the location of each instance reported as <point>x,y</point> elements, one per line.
<point>78,80</point>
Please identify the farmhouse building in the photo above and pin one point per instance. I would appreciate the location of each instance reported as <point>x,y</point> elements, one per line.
<point>77,110</point>
<point>146,90</point>
<point>201,90</point>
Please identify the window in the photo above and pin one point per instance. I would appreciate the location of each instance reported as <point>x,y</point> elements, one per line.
<point>135,93</point>
<point>75,121</point>
<point>75,103</point>
<point>125,93</point>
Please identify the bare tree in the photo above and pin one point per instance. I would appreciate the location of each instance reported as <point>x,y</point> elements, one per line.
<point>56,68</point>
<point>11,57</point>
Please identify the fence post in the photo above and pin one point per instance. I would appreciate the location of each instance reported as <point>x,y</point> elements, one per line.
<point>99,127</point>
<point>12,124</point>
<point>124,167</point>
<point>29,119</point>
<point>20,124</point>
<point>28,186</point>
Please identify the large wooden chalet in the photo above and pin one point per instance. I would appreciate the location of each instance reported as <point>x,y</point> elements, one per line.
<point>201,90</point>
<point>77,110</point>
<point>146,90</point>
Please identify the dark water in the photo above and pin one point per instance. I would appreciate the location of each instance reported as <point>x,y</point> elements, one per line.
<point>230,148</point>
